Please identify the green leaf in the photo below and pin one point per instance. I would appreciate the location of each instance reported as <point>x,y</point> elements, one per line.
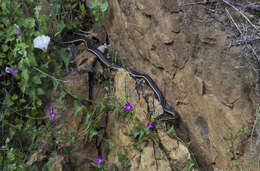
<point>3,4</point>
<point>188,144</point>
<point>22,100</point>
<point>10,156</point>
<point>97,3</point>
<point>92,134</point>
<point>123,160</point>
<point>190,166</point>
<point>12,133</point>
<point>73,158</point>
<point>32,94</point>
<point>67,149</point>
<point>77,108</point>
<point>111,144</point>
<point>73,138</point>
<point>88,120</point>
<point>36,79</point>
<point>90,4</point>
<point>171,131</point>
<point>82,9</point>
<point>8,102</point>
<point>62,95</point>
<point>141,135</point>
<point>53,154</point>
<point>65,57</point>
<point>37,10</point>
<point>32,60</point>
<point>25,74</point>
<point>40,91</point>
<point>2,55</point>
<point>5,20</point>
<point>5,48</point>
<point>47,166</point>
<point>35,168</point>
<point>135,134</point>
<point>29,23</point>
<point>106,88</point>
<point>55,84</point>
<point>61,25</point>
<point>137,147</point>
<point>19,126</point>
<point>104,6</point>
<point>14,97</point>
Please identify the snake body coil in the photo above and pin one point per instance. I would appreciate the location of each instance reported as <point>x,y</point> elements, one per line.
<point>133,73</point>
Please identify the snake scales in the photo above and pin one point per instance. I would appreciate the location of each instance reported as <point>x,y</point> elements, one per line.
<point>172,114</point>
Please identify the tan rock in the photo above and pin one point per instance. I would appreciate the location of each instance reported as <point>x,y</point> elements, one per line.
<point>191,66</point>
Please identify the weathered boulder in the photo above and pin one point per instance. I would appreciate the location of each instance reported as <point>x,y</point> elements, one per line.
<point>176,154</point>
<point>191,65</point>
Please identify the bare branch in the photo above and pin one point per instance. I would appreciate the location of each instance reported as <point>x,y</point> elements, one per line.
<point>228,3</point>
<point>251,6</point>
<point>233,21</point>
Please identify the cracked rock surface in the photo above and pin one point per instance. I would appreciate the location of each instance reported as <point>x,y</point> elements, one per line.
<point>197,75</point>
<point>174,151</point>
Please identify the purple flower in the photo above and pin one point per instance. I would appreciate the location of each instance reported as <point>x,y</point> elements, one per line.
<point>99,160</point>
<point>52,114</point>
<point>18,31</point>
<point>12,71</point>
<point>128,106</point>
<point>1,75</point>
<point>149,125</point>
<point>51,110</point>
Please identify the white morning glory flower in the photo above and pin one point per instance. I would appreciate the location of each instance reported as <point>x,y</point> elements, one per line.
<point>41,42</point>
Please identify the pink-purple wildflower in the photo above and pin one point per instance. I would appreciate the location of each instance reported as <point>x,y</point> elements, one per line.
<point>52,114</point>
<point>1,75</point>
<point>18,31</point>
<point>149,125</point>
<point>99,160</point>
<point>12,71</point>
<point>128,106</point>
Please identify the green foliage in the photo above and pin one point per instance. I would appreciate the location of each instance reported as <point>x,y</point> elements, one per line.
<point>97,8</point>
<point>111,144</point>
<point>233,136</point>
<point>141,133</point>
<point>190,166</point>
<point>100,167</point>
<point>125,162</point>
<point>77,108</point>
<point>193,163</point>
<point>23,97</point>
<point>67,150</point>
<point>65,57</point>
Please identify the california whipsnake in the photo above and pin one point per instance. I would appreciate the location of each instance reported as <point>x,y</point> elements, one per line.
<point>102,57</point>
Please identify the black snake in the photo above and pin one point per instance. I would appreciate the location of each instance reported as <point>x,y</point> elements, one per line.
<point>102,57</point>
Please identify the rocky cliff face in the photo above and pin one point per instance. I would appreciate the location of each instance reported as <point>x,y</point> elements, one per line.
<point>193,67</point>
